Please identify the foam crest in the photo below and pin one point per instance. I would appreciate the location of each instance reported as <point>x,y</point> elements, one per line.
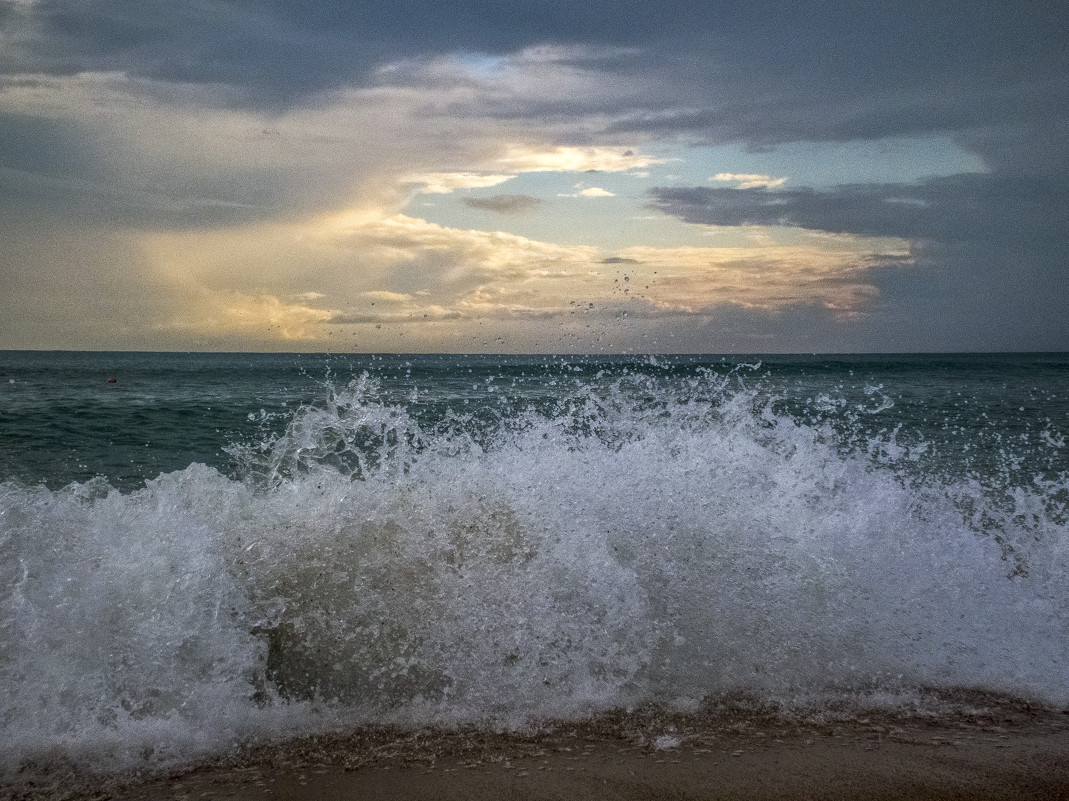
<point>626,545</point>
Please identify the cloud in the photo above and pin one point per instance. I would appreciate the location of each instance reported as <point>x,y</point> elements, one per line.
<point>530,159</point>
<point>138,140</point>
<point>423,255</point>
<point>365,268</point>
<point>503,204</point>
<point>493,273</point>
<point>749,180</point>
<point>866,72</point>
<point>389,297</point>
<point>117,148</point>
<point>590,191</point>
<point>402,315</point>
<point>575,159</point>
<point>227,314</point>
<point>988,252</point>
<point>110,148</point>
<point>977,207</point>
<point>693,279</point>
<point>443,183</point>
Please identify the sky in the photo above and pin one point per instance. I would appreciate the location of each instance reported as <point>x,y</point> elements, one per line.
<point>542,176</point>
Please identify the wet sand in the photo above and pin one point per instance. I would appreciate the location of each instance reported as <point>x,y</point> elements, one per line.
<point>865,760</point>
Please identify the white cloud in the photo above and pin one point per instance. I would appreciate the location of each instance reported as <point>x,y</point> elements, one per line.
<point>582,190</point>
<point>532,159</point>
<point>443,183</point>
<point>389,297</point>
<point>590,191</point>
<point>575,159</point>
<point>747,180</point>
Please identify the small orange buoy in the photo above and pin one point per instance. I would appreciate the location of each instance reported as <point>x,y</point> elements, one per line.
<point>113,381</point>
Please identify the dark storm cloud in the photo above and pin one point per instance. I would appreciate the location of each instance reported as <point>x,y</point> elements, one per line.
<point>855,71</point>
<point>503,204</point>
<point>281,50</point>
<point>772,116</point>
<point>761,73</point>
<point>974,207</point>
<point>990,253</point>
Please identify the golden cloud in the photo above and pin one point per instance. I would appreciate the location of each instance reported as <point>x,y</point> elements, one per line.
<point>770,278</point>
<point>452,254</point>
<point>250,316</point>
<point>367,267</point>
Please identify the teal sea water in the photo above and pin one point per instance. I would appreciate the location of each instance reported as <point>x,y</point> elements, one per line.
<point>219,548</point>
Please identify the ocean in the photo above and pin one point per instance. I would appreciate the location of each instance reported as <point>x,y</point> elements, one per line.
<point>199,552</point>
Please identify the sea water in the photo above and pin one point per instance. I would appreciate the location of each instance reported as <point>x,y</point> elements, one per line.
<point>215,550</point>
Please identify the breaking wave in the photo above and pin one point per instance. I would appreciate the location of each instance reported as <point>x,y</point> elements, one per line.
<point>625,546</point>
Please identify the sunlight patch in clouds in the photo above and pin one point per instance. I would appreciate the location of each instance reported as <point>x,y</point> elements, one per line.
<point>375,269</point>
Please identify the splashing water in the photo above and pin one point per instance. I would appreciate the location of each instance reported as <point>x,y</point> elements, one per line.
<point>629,541</point>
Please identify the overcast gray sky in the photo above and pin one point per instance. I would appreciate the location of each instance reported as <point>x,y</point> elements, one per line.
<point>542,176</point>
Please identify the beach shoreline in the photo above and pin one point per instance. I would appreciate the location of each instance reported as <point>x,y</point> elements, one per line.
<point>1016,755</point>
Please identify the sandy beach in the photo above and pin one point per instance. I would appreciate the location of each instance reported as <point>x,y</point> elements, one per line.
<point>1017,756</point>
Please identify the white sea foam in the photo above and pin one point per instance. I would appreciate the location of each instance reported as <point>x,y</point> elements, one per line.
<point>627,549</point>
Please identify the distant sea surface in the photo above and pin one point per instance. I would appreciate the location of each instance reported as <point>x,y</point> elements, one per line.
<point>204,550</point>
